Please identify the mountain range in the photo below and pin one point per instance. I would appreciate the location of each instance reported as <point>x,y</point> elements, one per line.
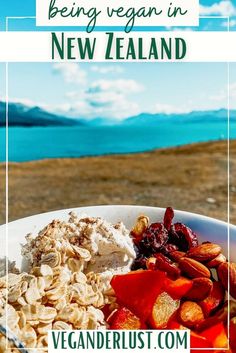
<point>192,117</point>
<point>22,115</point>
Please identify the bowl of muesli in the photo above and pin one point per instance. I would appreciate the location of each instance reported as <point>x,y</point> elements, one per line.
<point>119,268</point>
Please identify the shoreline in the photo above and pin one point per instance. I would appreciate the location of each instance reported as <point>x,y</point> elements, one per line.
<point>191,178</point>
<point>116,154</point>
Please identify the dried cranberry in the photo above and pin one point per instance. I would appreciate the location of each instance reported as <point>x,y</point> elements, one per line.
<point>163,238</point>
<point>165,264</point>
<point>139,262</point>
<point>183,236</point>
<point>154,238</point>
<point>168,217</point>
<point>174,238</point>
<point>169,248</point>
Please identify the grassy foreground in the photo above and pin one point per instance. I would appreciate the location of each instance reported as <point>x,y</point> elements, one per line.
<point>192,178</point>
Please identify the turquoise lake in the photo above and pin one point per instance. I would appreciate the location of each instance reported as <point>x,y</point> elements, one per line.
<point>26,144</point>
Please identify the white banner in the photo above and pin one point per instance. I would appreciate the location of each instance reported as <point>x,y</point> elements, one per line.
<point>118,46</point>
<point>92,13</point>
<point>123,341</point>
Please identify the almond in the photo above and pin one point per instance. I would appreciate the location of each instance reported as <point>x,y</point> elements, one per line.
<point>200,289</point>
<point>193,268</point>
<point>177,255</point>
<point>140,226</point>
<point>216,261</point>
<point>204,252</point>
<point>228,269</point>
<point>191,314</point>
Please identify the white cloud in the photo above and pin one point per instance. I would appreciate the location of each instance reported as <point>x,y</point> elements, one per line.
<point>114,106</point>
<point>71,73</point>
<point>105,98</point>
<point>169,109</point>
<point>121,85</point>
<point>23,101</point>
<point>107,69</point>
<point>223,95</point>
<point>222,8</point>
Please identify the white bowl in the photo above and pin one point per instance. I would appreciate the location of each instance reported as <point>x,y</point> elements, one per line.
<point>208,229</point>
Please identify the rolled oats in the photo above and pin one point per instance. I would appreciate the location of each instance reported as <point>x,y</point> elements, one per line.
<point>68,281</point>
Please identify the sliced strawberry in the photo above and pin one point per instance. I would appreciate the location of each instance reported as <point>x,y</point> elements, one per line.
<point>124,319</point>
<point>163,309</point>
<point>178,288</point>
<point>138,290</point>
<point>217,335</point>
<point>214,299</point>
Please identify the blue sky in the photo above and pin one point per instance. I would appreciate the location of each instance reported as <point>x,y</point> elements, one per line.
<point>120,90</point>
<point>115,90</point>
